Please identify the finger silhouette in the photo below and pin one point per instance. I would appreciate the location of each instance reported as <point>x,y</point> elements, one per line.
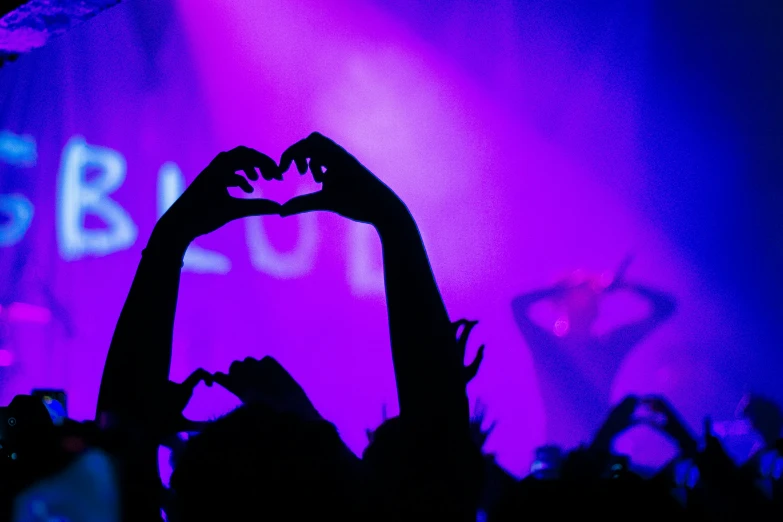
<point>254,207</point>
<point>249,159</point>
<point>478,409</point>
<point>250,172</point>
<point>628,404</point>
<point>317,171</point>
<point>472,369</point>
<point>467,327</point>
<point>462,341</point>
<point>235,180</point>
<point>298,153</point>
<point>268,167</point>
<point>491,428</point>
<point>458,324</point>
<point>200,375</point>
<point>225,381</point>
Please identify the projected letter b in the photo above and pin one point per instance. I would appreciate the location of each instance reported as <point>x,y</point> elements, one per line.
<point>79,197</point>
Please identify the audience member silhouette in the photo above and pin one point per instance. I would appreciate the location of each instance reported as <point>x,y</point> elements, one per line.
<point>276,457</point>
<point>436,476</point>
<point>135,381</point>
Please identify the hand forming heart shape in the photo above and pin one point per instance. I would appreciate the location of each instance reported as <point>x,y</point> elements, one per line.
<point>348,188</point>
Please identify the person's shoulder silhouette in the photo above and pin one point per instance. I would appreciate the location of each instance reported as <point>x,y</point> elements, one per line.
<point>258,461</point>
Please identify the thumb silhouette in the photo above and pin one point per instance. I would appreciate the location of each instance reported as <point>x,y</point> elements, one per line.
<point>253,207</point>
<point>305,203</point>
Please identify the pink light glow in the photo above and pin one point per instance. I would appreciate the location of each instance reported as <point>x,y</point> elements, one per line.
<point>561,327</point>
<point>28,313</point>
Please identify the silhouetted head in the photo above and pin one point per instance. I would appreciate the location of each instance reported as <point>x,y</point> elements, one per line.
<point>394,466</point>
<point>259,464</point>
<point>384,459</point>
<point>764,415</point>
<point>600,499</point>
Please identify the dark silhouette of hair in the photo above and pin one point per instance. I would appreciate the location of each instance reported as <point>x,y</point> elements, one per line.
<point>387,461</point>
<point>602,499</point>
<point>257,462</point>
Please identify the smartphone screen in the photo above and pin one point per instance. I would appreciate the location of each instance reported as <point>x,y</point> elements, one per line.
<point>55,402</point>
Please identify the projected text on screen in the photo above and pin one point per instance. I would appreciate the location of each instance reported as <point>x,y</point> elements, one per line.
<point>90,174</point>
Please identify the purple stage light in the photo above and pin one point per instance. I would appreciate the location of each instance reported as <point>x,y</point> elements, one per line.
<point>518,169</point>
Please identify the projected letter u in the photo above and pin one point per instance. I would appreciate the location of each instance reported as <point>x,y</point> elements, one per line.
<point>284,265</point>
<point>78,197</point>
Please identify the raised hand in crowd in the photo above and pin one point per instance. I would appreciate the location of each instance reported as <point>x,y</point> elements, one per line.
<point>620,418</point>
<point>136,373</point>
<point>266,381</point>
<point>669,422</point>
<point>429,368</point>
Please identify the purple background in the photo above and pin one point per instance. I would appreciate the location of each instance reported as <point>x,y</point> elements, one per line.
<point>527,141</point>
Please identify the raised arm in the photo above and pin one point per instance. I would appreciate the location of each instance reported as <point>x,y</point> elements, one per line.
<point>135,376</point>
<point>662,307</point>
<point>427,365</point>
<point>521,305</point>
<point>139,359</point>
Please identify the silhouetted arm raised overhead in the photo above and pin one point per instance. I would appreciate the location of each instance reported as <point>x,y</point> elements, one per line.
<point>139,359</point>
<point>428,367</point>
<point>135,376</point>
<point>662,307</point>
<point>426,362</point>
<point>521,305</point>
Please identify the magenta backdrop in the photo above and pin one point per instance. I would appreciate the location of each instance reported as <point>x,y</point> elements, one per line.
<point>520,168</point>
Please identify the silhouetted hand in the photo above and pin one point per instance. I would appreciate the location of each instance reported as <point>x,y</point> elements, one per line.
<point>714,463</point>
<point>620,419</point>
<point>477,431</point>
<point>349,189</point>
<point>472,369</point>
<point>176,399</point>
<point>268,382</point>
<point>206,204</point>
<point>673,425</point>
<point>732,495</point>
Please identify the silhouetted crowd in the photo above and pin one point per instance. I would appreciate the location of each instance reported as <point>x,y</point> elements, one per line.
<point>276,458</point>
